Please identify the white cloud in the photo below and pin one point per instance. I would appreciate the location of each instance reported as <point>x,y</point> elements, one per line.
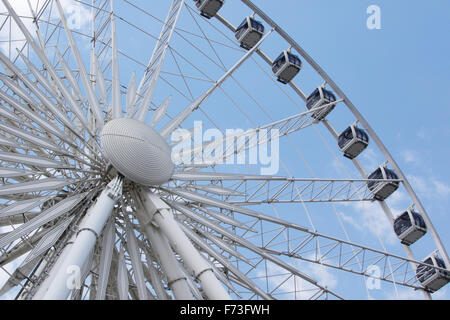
<point>296,287</point>
<point>369,217</point>
<point>442,189</point>
<point>370,159</point>
<point>17,38</point>
<point>350,220</point>
<point>323,275</point>
<point>5,274</point>
<point>373,219</point>
<point>419,184</point>
<point>424,134</point>
<point>404,294</point>
<point>411,157</point>
<point>77,15</point>
<point>431,187</point>
<point>411,294</point>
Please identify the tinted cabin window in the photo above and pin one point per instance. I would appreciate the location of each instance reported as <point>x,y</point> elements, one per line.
<point>241,29</point>
<point>315,94</point>
<point>391,174</point>
<point>402,223</point>
<point>418,220</point>
<point>279,62</point>
<point>346,136</point>
<point>243,25</point>
<point>361,135</point>
<point>313,99</point>
<point>425,272</point>
<point>280,57</point>
<point>257,25</point>
<point>440,263</point>
<point>429,261</point>
<point>328,95</point>
<point>376,175</point>
<point>294,59</point>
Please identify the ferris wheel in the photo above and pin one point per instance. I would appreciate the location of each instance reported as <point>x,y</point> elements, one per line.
<point>110,189</point>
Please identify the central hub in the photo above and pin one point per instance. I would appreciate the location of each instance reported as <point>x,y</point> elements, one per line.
<point>137,151</point>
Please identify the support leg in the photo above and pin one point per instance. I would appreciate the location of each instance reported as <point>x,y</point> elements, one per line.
<point>90,228</point>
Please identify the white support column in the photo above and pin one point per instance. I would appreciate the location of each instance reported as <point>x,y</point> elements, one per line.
<point>89,230</point>
<point>161,248</point>
<point>53,271</point>
<point>116,110</point>
<point>163,217</point>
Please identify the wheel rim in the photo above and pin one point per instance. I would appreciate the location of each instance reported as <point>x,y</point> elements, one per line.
<point>269,264</point>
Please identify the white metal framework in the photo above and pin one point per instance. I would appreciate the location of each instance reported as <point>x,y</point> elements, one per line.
<point>92,205</point>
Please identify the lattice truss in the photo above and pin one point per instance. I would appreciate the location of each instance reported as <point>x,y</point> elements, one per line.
<point>61,84</point>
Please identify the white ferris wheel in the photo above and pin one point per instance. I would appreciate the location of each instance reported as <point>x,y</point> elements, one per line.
<point>94,206</point>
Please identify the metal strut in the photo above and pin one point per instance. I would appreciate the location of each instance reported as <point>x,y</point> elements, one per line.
<point>160,214</point>
<point>90,228</point>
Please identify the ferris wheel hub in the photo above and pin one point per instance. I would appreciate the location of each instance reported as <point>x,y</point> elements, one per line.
<point>137,151</point>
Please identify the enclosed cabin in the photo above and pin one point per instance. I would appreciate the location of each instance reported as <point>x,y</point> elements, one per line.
<point>323,100</point>
<point>209,8</point>
<point>409,227</point>
<point>352,141</point>
<point>249,32</point>
<point>383,189</point>
<point>286,66</point>
<point>431,278</point>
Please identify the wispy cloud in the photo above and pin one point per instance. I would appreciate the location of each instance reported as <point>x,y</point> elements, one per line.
<point>296,287</point>
<point>5,272</point>
<point>370,159</point>
<point>370,217</point>
<point>424,134</point>
<point>411,157</point>
<point>78,17</point>
<point>410,294</point>
<point>442,189</point>
<point>430,187</point>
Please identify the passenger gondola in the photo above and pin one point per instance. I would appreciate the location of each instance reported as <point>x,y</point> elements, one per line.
<point>209,8</point>
<point>383,189</point>
<point>320,98</point>
<point>431,278</point>
<point>249,32</point>
<point>409,227</point>
<point>353,141</point>
<point>286,66</point>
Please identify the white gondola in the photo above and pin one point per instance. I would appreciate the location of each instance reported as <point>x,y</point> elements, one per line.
<point>409,227</point>
<point>383,189</point>
<point>286,66</point>
<point>318,99</point>
<point>249,32</point>
<point>431,278</point>
<point>209,8</point>
<point>352,141</point>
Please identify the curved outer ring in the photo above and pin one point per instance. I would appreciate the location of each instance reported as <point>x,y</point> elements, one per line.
<point>366,125</point>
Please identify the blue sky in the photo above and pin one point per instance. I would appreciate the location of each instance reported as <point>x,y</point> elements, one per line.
<point>398,78</point>
<point>395,76</point>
